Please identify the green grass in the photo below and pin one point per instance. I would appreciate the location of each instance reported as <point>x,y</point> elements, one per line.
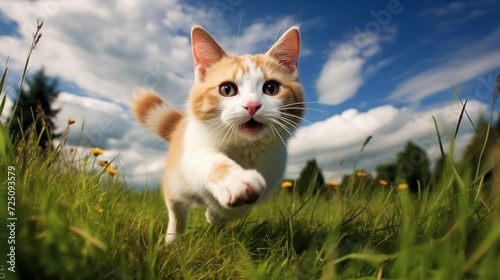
<point>75,221</point>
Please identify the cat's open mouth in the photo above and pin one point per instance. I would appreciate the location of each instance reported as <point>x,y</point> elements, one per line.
<point>252,126</point>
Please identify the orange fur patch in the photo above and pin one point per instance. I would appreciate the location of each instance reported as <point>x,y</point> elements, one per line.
<point>219,172</point>
<point>167,124</point>
<point>205,97</point>
<point>174,156</point>
<point>291,92</point>
<point>143,103</point>
<point>292,95</point>
<point>204,101</point>
<point>150,110</point>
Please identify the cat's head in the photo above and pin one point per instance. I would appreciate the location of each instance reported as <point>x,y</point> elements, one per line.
<point>249,97</point>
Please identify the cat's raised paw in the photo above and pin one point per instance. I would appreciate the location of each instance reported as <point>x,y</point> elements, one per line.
<point>251,197</point>
<point>243,187</point>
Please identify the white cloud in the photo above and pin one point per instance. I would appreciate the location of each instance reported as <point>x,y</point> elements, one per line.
<point>102,46</point>
<point>138,154</point>
<point>462,65</point>
<point>109,48</point>
<point>340,79</point>
<point>349,63</point>
<point>102,120</point>
<point>6,109</point>
<point>452,15</point>
<point>258,35</point>
<point>336,142</point>
<point>446,10</point>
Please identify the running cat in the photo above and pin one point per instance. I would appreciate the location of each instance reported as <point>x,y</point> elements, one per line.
<point>228,151</point>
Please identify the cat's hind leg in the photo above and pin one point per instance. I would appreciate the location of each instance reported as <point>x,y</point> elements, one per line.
<point>214,218</point>
<point>177,218</point>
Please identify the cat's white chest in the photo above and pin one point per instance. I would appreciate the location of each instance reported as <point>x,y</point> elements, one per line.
<point>246,155</point>
<point>270,161</point>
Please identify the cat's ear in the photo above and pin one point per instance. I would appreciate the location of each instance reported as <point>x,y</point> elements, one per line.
<point>286,49</point>
<point>206,51</point>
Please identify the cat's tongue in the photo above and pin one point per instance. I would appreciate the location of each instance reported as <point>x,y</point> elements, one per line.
<point>252,126</point>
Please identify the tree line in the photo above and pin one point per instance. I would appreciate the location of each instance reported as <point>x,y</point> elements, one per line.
<point>411,165</point>
<point>32,111</point>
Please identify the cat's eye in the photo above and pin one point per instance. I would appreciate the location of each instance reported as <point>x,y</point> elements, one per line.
<point>271,88</point>
<point>228,89</point>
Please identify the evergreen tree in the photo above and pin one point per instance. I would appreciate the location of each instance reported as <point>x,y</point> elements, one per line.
<point>472,152</point>
<point>33,109</point>
<point>387,172</point>
<point>472,157</point>
<point>311,178</point>
<point>344,183</point>
<point>413,167</point>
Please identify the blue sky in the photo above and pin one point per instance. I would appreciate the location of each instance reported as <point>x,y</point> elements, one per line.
<point>380,68</point>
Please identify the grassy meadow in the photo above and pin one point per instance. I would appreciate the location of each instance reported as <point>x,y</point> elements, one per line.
<point>75,220</point>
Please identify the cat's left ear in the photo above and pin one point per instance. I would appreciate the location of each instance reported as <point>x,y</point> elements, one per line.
<point>206,51</point>
<point>286,49</point>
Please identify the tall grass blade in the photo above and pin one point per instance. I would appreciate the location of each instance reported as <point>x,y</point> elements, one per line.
<point>440,142</point>
<point>4,98</point>
<point>488,129</point>
<point>460,118</point>
<point>457,94</point>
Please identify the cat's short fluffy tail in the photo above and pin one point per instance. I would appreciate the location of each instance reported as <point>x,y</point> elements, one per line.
<point>150,110</point>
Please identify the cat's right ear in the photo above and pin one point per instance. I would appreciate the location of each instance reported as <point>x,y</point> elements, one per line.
<point>286,49</point>
<point>206,51</point>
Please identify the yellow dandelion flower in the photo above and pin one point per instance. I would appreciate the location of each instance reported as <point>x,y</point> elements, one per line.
<point>71,121</point>
<point>96,151</point>
<point>100,210</point>
<point>286,184</point>
<point>402,186</point>
<point>383,182</point>
<point>111,170</point>
<point>104,163</point>
<point>361,174</point>
<point>333,184</point>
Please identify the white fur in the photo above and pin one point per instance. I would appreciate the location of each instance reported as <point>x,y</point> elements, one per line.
<point>257,162</point>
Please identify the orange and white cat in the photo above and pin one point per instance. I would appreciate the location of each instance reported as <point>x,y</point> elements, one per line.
<point>228,151</point>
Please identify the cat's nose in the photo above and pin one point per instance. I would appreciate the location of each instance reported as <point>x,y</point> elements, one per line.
<point>252,107</point>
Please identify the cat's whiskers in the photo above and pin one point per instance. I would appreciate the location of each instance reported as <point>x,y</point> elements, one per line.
<point>223,129</point>
<point>162,140</point>
<point>216,132</point>
<point>295,117</point>
<point>290,122</point>
<point>282,125</point>
<point>293,106</point>
<point>230,131</point>
<point>219,128</point>
<point>273,129</point>
<point>235,132</point>
<point>289,106</point>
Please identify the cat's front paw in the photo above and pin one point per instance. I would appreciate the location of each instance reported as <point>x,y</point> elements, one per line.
<point>240,187</point>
